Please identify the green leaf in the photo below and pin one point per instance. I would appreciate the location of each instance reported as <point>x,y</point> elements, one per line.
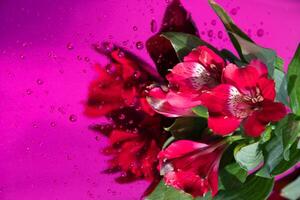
<point>249,157</point>
<point>273,151</point>
<point>286,165</point>
<point>291,191</point>
<point>281,152</point>
<point>281,86</point>
<point>200,111</point>
<point>183,43</point>
<point>230,27</point>
<point>163,192</point>
<point>293,77</point>
<point>255,188</point>
<point>168,142</point>
<point>187,127</point>
<point>235,170</point>
<point>278,63</point>
<point>288,129</point>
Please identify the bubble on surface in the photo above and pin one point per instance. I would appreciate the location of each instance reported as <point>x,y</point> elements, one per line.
<point>153,26</point>
<point>220,34</point>
<point>134,28</point>
<point>210,33</point>
<point>213,22</point>
<point>39,82</point>
<point>70,46</point>
<point>139,45</point>
<point>260,32</point>
<point>28,91</point>
<point>53,124</point>
<point>73,118</point>
<point>233,11</point>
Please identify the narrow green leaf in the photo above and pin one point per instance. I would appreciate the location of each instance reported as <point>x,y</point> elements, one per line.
<point>249,157</point>
<point>163,192</point>
<point>293,77</point>
<point>255,188</point>
<point>291,191</point>
<point>200,111</point>
<point>168,142</point>
<point>183,43</point>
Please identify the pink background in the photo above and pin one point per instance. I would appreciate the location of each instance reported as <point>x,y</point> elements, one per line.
<point>44,155</point>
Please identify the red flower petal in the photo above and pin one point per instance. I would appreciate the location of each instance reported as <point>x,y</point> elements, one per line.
<point>206,57</point>
<point>243,78</point>
<point>180,148</point>
<point>261,68</point>
<point>253,126</point>
<point>190,76</point>
<point>218,100</point>
<point>223,125</point>
<point>272,111</point>
<point>118,136</point>
<point>267,88</point>
<point>188,182</point>
<point>159,102</point>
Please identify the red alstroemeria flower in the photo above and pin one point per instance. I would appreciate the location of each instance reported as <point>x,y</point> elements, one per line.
<point>135,151</point>
<point>121,83</point>
<point>201,70</point>
<point>192,166</point>
<point>247,97</point>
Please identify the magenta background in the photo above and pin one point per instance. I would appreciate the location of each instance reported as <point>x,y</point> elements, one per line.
<point>63,161</point>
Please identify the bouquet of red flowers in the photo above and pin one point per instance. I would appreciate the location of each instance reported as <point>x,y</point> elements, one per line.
<point>207,124</point>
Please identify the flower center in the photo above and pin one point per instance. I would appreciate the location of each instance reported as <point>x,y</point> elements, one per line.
<point>254,97</point>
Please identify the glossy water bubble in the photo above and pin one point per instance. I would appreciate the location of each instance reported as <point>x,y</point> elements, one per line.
<point>153,26</point>
<point>39,82</point>
<point>73,118</point>
<point>139,45</point>
<point>260,32</point>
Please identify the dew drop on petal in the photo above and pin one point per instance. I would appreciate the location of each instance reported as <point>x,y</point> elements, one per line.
<point>134,28</point>
<point>139,45</point>
<point>122,116</point>
<point>121,54</point>
<point>73,118</point>
<point>108,46</point>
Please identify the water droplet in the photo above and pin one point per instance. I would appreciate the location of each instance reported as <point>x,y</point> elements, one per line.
<point>220,34</point>
<point>39,82</point>
<point>22,57</point>
<point>52,124</point>
<point>139,45</point>
<point>28,91</point>
<point>122,116</point>
<point>213,22</point>
<point>87,59</point>
<point>210,33</point>
<point>260,32</point>
<point>153,26</point>
<point>233,11</point>
<point>97,138</point>
<point>134,28</point>
<point>121,54</point>
<point>73,118</point>
<point>79,57</point>
<point>108,46</point>
<point>70,46</point>
<point>34,125</point>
